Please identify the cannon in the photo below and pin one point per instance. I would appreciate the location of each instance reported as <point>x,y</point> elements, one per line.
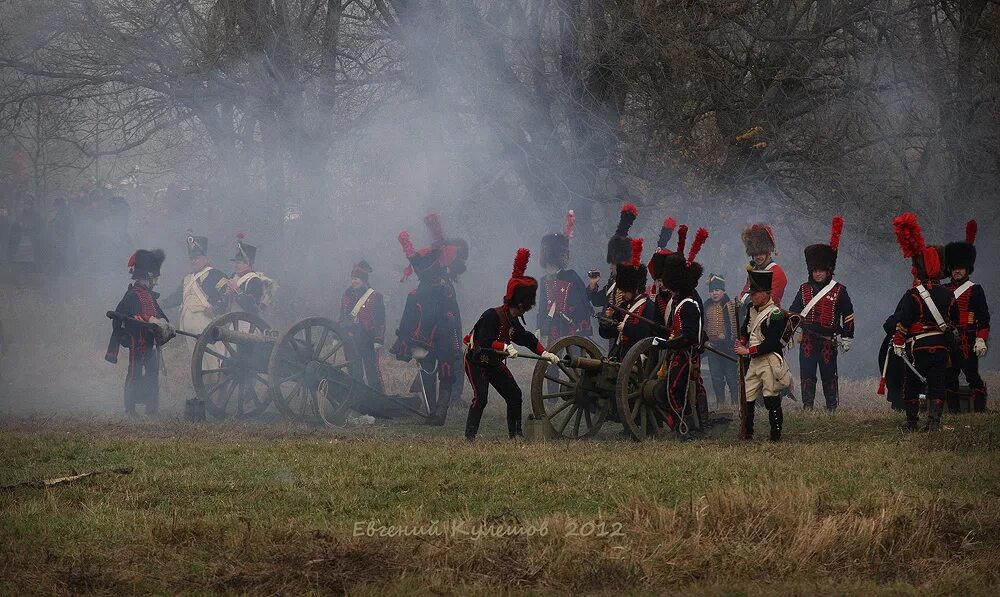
<point>311,372</point>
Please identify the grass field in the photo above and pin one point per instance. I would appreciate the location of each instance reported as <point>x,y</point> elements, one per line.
<point>848,504</point>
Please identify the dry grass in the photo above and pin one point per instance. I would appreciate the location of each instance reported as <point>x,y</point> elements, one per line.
<point>847,505</point>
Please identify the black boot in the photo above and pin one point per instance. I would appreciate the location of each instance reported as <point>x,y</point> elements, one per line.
<point>701,405</point>
<point>514,427</point>
<point>934,408</point>
<point>472,423</point>
<point>912,408</point>
<point>751,407</point>
<point>774,416</point>
<point>439,413</point>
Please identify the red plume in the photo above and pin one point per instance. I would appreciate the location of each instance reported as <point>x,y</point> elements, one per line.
<point>407,244</point>
<point>131,260</point>
<point>670,223</point>
<point>971,229</point>
<point>434,225</point>
<point>630,208</point>
<point>908,234</point>
<point>520,262</point>
<point>636,252</point>
<point>682,234</point>
<point>570,223</point>
<point>699,239</point>
<point>835,232</point>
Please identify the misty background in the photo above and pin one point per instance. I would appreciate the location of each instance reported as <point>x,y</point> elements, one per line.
<point>321,128</point>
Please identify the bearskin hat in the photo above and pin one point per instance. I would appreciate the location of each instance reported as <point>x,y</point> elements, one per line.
<point>620,246</point>
<point>521,289</point>
<point>244,251</point>
<point>197,246</point>
<point>759,280</point>
<point>555,246</point>
<point>360,270</point>
<point>655,265</point>
<point>145,264</point>
<point>631,275</point>
<point>423,262</point>
<point>682,274</point>
<point>758,239</point>
<point>962,254</point>
<point>927,261</point>
<point>824,257</point>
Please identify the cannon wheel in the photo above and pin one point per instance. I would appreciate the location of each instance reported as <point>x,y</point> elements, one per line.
<point>222,370</point>
<point>575,408</point>
<point>639,392</point>
<point>297,393</point>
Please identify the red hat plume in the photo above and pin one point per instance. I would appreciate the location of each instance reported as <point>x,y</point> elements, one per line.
<point>699,239</point>
<point>835,231</point>
<point>908,234</point>
<point>971,229</point>
<point>131,261</point>
<point>670,222</point>
<point>407,244</point>
<point>630,208</point>
<point>637,252</point>
<point>570,224</point>
<point>520,262</point>
<point>682,234</point>
<point>434,225</point>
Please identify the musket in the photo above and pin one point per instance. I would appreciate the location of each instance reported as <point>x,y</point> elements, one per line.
<point>127,319</point>
<point>742,365</point>
<point>661,327</point>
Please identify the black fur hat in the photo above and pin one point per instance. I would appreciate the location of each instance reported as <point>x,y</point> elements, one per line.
<point>146,264</point>
<point>682,274</point>
<point>824,257</point>
<point>620,246</point>
<point>963,255</point>
<point>631,275</point>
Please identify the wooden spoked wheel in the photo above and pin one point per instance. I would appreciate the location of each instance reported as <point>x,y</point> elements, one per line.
<point>231,378</point>
<point>641,392</point>
<point>570,400</point>
<point>314,369</point>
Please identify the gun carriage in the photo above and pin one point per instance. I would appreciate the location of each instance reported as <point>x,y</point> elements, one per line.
<point>311,372</point>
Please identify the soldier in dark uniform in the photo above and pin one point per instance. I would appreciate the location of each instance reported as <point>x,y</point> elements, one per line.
<point>492,341</point>
<point>891,368</point>
<point>827,320</point>
<point>142,382</point>
<point>565,308</point>
<point>619,251</point>
<point>427,330</point>
<point>202,295</point>
<point>761,333</point>
<point>921,340</point>
<point>680,276</point>
<point>247,288</point>
<point>624,331</point>
<point>973,320</point>
<point>454,256</point>
<point>362,313</point>
<point>661,296</point>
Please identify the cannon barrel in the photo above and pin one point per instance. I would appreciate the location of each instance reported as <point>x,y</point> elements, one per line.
<point>586,363</point>
<point>237,337</point>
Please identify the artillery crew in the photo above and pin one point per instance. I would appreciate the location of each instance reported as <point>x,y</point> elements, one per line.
<point>973,321</point>
<point>142,328</point>
<point>362,313</point>
<point>565,308</point>
<point>661,296</point>
<point>761,247</point>
<point>827,320</point>
<point>761,340</point>
<point>680,276</point>
<point>924,333</point>
<point>630,322</point>
<point>428,329</point>
<point>249,290</point>
<point>202,295</point>
<point>491,342</point>
<point>721,327</point>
